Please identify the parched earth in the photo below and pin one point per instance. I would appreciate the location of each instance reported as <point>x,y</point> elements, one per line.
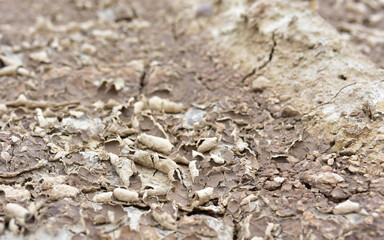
<point>147,120</point>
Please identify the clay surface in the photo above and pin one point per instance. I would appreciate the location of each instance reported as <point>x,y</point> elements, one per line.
<point>190,119</point>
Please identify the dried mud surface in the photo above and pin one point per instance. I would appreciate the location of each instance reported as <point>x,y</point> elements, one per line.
<point>121,121</point>
<point>360,22</point>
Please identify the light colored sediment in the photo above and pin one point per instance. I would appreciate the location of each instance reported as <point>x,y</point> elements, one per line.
<point>308,66</point>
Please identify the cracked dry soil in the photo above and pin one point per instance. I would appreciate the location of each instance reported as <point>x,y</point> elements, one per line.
<point>117,125</point>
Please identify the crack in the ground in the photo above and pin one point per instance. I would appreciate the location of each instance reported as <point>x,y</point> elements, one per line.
<point>173,32</point>
<point>272,51</point>
<point>206,213</point>
<point>236,230</point>
<point>270,57</point>
<point>333,99</point>
<point>250,74</point>
<point>142,78</point>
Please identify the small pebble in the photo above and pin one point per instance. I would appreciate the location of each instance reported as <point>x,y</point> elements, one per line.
<point>204,10</point>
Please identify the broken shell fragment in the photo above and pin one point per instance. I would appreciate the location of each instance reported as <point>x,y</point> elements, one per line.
<point>102,197</point>
<point>159,104</point>
<point>124,167</point>
<point>346,207</point>
<point>125,195</point>
<point>208,144</point>
<point>62,190</point>
<point>156,143</point>
<point>202,196</point>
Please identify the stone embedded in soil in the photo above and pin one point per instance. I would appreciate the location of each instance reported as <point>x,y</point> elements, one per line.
<point>289,111</point>
<point>261,83</point>
<point>346,207</point>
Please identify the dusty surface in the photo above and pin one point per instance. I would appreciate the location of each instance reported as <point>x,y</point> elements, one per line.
<point>180,120</point>
<point>361,22</point>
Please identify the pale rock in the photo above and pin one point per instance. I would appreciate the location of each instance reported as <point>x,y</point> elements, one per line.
<point>329,178</point>
<point>346,207</point>
<point>260,83</point>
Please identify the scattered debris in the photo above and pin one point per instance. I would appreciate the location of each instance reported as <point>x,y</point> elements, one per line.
<point>134,120</point>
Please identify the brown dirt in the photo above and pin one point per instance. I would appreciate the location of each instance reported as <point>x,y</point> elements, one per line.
<point>361,22</point>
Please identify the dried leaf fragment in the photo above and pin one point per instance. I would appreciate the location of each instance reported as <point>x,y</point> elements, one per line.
<point>217,159</point>
<point>208,144</point>
<point>124,167</point>
<point>62,190</point>
<point>194,171</point>
<point>248,199</point>
<point>156,143</point>
<point>165,219</point>
<point>202,196</point>
<point>40,164</point>
<point>16,211</point>
<point>125,195</point>
<point>15,193</point>
<point>164,165</point>
<point>103,197</point>
<point>49,182</point>
<point>159,104</point>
